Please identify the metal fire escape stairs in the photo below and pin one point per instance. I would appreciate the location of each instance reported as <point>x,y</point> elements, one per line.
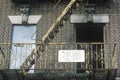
<point>53,30</point>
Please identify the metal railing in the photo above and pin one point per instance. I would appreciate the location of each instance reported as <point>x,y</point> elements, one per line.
<point>97,55</point>
<point>98,61</point>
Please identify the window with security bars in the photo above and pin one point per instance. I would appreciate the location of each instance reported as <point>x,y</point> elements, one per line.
<point>90,38</point>
<point>23,42</point>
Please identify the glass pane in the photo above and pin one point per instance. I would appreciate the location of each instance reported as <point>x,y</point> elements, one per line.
<point>24,34</point>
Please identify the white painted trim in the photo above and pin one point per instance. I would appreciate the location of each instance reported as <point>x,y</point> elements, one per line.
<point>117,78</point>
<point>97,18</point>
<point>17,19</point>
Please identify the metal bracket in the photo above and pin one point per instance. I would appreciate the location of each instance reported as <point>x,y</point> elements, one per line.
<point>89,10</point>
<point>25,14</point>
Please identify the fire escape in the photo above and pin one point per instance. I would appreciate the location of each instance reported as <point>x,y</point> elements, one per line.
<point>96,70</point>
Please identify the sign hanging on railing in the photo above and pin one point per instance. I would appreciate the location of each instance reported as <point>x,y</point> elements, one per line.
<point>71,56</point>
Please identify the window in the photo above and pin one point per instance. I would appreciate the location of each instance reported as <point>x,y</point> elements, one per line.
<point>87,33</point>
<point>22,34</point>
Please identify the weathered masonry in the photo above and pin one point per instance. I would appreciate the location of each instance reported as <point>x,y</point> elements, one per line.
<point>57,39</point>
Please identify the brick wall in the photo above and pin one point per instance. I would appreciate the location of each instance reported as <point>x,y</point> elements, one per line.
<point>43,8</point>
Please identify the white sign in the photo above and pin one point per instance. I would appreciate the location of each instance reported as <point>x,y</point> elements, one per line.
<point>71,56</point>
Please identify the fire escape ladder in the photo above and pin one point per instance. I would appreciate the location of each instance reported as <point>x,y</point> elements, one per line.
<point>53,30</point>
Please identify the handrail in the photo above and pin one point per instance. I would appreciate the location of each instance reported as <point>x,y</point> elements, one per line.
<point>27,64</point>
